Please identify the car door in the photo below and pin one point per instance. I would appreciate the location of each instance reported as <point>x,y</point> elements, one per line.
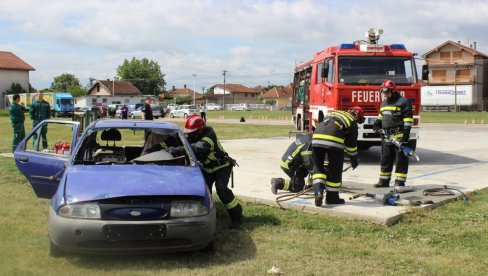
<point>44,153</point>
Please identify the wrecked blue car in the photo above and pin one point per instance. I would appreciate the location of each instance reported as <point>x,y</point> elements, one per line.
<point>117,189</point>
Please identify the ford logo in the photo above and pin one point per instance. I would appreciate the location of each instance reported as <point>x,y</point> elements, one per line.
<point>135,213</point>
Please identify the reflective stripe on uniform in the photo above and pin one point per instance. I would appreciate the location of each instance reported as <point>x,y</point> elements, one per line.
<point>208,140</point>
<point>231,204</point>
<point>327,137</point>
<point>385,175</point>
<point>211,170</point>
<point>328,143</point>
<point>332,189</point>
<point>297,150</point>
<point>319,176</point>
<point>390,108</point>
<point>333,184</point>
<point>352,151</point>
<point>285,164</point>
<point>286,186</point>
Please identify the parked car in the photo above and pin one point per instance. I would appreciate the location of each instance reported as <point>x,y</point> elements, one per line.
<point>184,111</point>
<point>101,111</point>
<point>171,106</point>
<point>241,107</point>
<point>161,108</point>
<point>82,109</point>
<point>109,197</point>
<point>214,107</point>
<point>137,114</point>
<point>287,107</point>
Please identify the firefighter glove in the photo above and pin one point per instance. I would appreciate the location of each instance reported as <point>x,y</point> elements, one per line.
<point>354,161</point>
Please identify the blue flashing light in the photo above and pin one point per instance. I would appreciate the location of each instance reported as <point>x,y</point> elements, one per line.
<point>398,47</point>
<point>347,46</point>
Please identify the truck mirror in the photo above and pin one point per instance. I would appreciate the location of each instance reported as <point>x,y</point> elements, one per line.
<point>325,71</point>
<point>425,72</point>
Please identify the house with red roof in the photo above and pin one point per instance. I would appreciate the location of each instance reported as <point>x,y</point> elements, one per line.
<point>13,70</point>
<point>281,95</point>
<point>107,92</point>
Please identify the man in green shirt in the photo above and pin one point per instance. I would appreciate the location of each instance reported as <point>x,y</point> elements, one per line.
<point>17,118</point>
<point>40,110</point>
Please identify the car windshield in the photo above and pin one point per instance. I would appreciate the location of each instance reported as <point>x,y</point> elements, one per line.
<point>135,146</point>
<point>373,70</point>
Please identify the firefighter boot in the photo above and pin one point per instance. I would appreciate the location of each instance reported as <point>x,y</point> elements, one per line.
<point>277,184</point>
<point>235,217</point>
<point>399,183</point>
<point>382,184</point>
<point>319,194</point>
<point>333,198</point>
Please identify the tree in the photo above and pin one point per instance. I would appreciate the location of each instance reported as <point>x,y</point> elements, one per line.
<point>16,88</point>
<point>69,83</point>
<point>144,74</point>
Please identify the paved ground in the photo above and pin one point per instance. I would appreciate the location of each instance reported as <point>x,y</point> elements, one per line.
<point>452,155</point>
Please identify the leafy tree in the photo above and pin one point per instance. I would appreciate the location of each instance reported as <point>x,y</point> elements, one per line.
<point>69,83</point>
<point>144,74</point>
<point>182,99</point>
<point>16,88</point>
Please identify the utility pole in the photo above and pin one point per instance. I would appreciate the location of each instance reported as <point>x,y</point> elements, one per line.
<point>204,95</point>
<point>194,77</point>
<point>455,87</point>
<point>224,72</point>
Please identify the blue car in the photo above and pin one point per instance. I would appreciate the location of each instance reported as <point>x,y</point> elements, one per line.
<point>116,188</point>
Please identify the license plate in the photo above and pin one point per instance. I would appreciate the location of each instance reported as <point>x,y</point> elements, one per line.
<point>371,120</point>
<point>134,232</point>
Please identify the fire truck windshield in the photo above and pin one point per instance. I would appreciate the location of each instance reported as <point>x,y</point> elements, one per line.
<point>372,70</point>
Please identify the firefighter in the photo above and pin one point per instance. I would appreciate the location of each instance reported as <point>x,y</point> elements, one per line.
<point>297,164</point>
<point>396,118</point>
<point>40,110</point>
<point>215,162</point>
<point>338,131</point>
<point>17,118</point>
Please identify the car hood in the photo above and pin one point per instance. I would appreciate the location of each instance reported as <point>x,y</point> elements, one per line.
<point>93,182</point>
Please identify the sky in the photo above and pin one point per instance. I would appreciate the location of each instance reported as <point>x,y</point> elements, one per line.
<point>258,42</point>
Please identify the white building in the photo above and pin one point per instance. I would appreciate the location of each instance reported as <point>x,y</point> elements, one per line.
<point>12,70</point>
<point>110,92</point>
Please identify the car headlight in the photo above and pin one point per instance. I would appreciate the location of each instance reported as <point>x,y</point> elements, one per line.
<point>181,209</point>
<point>84,211</point>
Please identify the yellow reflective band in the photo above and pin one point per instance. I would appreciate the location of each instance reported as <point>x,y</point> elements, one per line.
<point>385,173</point>
<point>398,135</point>
<point>401,175</point>
<point>333,184</point>
<point>408,120</point>
<point>390,108</point>
<point>351,149</point>
<point>208,140</point>
<point>343,116</point>
<point>319,176</point>
<point>232,204</point>
<point>287,185</point>
<point>328,137</point>
<point>306,152</point>
<point>338,124</point>
<point>211,170</point>
<point>297,150</point>
<point>285,164</point>
<point>380,115</point>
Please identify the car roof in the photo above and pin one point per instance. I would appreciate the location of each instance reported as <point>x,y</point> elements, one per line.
<point>119,123</point>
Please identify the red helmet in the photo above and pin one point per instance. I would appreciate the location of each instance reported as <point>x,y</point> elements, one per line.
<point>387,86</point>
<point>194,123</point>
<point>357,113</point>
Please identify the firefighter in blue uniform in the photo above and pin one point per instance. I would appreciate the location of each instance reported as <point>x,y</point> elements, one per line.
<point>338,131</point>
<point>17,118</point>
<point>297,164</point>
<point>216,164</point>
<point>396,118</point>
<point>40,110</point>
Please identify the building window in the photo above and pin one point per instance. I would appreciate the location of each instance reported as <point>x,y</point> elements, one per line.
<point>126,101</point>
<point>319,73</point>
<point>462,75</point>
<point>439,75</point>
<point>104,100</point>
<point>252,95</point>
<point>245,94</point>
<point>445,55</point>
<point>457,55</point>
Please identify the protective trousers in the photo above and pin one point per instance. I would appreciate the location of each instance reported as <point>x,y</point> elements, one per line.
<point>389,153</point>
<point>297,179</point>
<point>19,134</point>
<point>327,177</point>
<point>221,179</point>
<point>43,135</point>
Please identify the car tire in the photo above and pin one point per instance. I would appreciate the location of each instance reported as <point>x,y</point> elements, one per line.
<point>132,116</point>
<point>185,115</point>
<point>54,250</point>
<point>155,117</point>
<point>172,115</point>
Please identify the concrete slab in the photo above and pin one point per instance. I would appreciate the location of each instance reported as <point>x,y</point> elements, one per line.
<point>450,154</point>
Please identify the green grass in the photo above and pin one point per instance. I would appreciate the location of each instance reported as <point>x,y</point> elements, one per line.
<point>450,240</point>
<point>454,117</point>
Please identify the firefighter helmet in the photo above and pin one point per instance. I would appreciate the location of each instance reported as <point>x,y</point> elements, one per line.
<point>387,86</point>
<point>357,113</point>
<point>194,123</point>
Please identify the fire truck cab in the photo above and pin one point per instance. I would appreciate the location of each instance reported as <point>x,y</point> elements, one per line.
<point>350,74</point>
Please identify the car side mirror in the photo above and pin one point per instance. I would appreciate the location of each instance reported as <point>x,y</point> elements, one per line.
<point>425,72</point>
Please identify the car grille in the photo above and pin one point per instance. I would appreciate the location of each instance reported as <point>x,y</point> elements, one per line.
<point>134,243</point>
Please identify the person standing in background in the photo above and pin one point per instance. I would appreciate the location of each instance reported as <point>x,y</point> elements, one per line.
<point>203,112</point>
<point>39,111</point>
<point>17,118</point>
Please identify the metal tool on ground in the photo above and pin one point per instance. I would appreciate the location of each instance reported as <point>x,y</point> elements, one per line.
<point>406,150</point>
<point>390,199</point>
<point>403,189</point>
<point>444,191</point>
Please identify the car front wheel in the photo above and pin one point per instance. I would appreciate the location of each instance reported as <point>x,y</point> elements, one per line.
<point>132,116</point>
<point>172,115</point>
<point>54,250</point>
<point>185,115</point>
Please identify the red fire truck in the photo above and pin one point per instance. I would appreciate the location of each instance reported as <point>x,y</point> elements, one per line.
<point>350,74</point>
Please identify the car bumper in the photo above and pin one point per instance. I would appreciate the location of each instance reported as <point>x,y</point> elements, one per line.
<point>93,237</point>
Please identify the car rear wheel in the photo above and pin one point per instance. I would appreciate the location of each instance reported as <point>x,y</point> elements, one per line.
<point>54,251</point>
<point>172,115</point>
<point>132,116</point>
<point>185,115</point>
